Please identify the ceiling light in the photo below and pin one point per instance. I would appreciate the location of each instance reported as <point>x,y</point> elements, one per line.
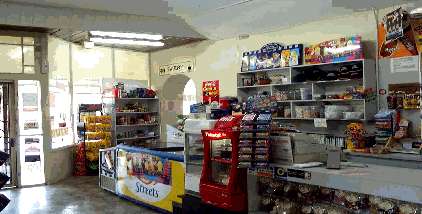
<point>125,42</point>
<point>127,35</point>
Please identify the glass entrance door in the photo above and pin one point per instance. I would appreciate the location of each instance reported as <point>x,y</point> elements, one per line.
<point>31,155</point>
<point>8,131</point>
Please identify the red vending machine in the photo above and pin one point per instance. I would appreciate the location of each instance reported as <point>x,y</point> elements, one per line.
<point>223,184</point>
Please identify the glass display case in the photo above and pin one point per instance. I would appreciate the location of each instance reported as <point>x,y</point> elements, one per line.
<point>194,152</point>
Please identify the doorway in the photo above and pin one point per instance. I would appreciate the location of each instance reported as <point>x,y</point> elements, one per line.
<point>8,132</point>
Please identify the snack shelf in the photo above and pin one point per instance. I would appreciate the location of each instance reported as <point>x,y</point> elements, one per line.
<point>265,70</point>
<point>292,118</point>
<point>142,119</point>
<point>221,160</point>
<point>136,125</point>
<point>322,100</point>
<point>150,112</point>
<point>154,98</point>
<point>137,138</point>
<point>328,63</point>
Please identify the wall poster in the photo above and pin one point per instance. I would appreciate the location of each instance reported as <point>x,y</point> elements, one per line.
<point>210,91</point>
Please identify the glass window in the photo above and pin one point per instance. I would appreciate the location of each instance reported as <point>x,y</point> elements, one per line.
<point>28,55</point>
<point>10,40</point>
<point>10,58</point>
<point>13,54</point>
<point>59,94</point>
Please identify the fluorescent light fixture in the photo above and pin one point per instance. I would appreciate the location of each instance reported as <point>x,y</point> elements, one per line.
<point>125,42</point>
<point>127,35</point>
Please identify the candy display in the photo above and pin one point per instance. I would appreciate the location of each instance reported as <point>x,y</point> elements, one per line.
<point>337,50</point>
<point>254,145</point>
<point>278,197</point>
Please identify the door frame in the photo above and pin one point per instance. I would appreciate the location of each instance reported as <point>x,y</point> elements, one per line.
<point>12,132</point>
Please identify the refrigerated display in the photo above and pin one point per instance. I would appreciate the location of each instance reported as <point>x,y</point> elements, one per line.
<point>194,152</point>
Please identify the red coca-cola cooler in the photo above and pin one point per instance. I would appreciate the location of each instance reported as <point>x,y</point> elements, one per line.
<point>222,183</point>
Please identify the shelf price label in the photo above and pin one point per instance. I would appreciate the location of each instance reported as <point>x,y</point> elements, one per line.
<point>320,123</point>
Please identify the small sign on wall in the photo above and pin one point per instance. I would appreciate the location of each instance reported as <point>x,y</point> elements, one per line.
<point>175,68</point>
<point>405,64</point>
<point>210,91</point>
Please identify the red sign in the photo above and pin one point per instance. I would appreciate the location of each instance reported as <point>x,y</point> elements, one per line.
<point>210,91</point>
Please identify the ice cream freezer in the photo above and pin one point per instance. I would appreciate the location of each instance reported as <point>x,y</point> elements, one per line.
<point>152,177</point>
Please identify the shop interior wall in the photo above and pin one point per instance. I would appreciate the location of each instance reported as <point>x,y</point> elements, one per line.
<point>221,60</point>
<point>99,62</point>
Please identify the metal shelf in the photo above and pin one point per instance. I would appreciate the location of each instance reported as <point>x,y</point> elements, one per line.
<point>322,100</point>
<point>265,70</point>
<point>117,99</point>
<point>137,138</point>
<point>136,125</point>
<point>151,112</point>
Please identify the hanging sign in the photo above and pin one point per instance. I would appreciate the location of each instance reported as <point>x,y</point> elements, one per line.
<point>210,91</point>
<point>394,25</point>
<point>176,68</point>
<point>395,36</point>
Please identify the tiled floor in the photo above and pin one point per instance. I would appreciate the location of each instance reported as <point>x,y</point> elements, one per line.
<point>76,195</point>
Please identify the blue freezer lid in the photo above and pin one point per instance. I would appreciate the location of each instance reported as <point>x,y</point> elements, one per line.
<point>171,155</point>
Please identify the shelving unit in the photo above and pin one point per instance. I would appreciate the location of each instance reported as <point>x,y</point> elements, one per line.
<point>317,88</point>
<point>136,121</point>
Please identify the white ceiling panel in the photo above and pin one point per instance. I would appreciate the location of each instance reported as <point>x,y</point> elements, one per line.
<point>217,19</point>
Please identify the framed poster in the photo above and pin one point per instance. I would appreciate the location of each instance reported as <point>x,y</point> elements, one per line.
<point>210,91</point>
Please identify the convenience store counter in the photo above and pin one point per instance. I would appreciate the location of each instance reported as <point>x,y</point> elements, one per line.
<point>385,181</point>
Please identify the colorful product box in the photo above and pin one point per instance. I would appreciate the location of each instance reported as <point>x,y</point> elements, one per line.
<point>282,56</point>
<point>337,50</point>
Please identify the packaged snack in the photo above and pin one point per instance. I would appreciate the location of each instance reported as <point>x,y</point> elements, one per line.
<point>326,194</point>
<point>268,60</point>
<point>387,206</point>
<point>285,58</point>
<point>406,208</point>
<point>339,197</point>
<point>306,193</point>
<point>245,62</point>
<point>356,201</point>
<point>296,52</point>
<point>276,58</point>
<point>245,157</point>
<point>306,209</point>
<point>252,61</point>
<point>246,135</point>
<point>245,150</point>
<point>261,62</point>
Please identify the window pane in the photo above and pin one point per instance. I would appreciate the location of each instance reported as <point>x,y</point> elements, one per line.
<point>28,55</point>
<point>29,69</point>
<point>10,40</point>
<point>59,93</point>
<point>28,40</point>
<point>10,59</point>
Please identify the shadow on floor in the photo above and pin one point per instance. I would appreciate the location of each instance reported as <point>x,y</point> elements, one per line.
<point>75,195</point>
